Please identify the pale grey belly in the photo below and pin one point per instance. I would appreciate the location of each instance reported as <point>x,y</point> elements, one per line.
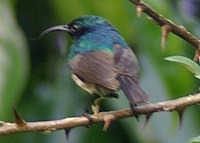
<point>91,88</point>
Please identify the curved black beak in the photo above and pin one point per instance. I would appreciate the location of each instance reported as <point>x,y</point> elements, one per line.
<point>64,28</point>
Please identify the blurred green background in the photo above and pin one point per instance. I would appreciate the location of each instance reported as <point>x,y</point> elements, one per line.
<point>35,80</point>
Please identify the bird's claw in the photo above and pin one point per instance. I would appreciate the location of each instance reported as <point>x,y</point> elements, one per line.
<point>113,95</point>
<point>96,106</point>
<point>95,109</point>
<point>85,114</point>
<point>135,113</point>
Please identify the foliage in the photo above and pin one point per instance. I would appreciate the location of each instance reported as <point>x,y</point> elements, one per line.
<point>195,140</point>
<point>188,63</point>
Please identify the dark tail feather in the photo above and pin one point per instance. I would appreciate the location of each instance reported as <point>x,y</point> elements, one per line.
<point>132,90</point>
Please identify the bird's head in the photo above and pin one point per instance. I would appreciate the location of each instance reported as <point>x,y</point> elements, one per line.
<point>80,26</point>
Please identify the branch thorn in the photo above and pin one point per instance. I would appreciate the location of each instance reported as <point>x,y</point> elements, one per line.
<point>148,116</point>
<point>139,10</point>
<point>18,120</point>
<point>180,114</point>
<point>165,31</point>
<point>67,131</point>
<point>107,122</point>
<point>197,55</point>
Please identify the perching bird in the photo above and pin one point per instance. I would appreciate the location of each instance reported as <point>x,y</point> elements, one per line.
<point>101,61</point>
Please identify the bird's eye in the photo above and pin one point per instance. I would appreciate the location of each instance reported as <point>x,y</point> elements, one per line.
<point>74,28</point>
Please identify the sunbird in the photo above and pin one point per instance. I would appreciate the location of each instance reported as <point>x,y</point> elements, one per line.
<point>101,61</point>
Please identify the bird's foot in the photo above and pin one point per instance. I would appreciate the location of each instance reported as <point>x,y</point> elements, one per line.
<point>87,115</point>
<point>135,113</point>
<point>112,95</point>
<point>95,109</point>
<point>96,106</point>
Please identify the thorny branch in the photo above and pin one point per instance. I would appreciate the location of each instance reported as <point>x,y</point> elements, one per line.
<point>168,26</point>
<point>106,117</point>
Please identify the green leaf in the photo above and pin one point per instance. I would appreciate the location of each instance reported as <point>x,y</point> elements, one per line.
<point>195,140</point>
<point>197,76</point>
<point>186,62</point>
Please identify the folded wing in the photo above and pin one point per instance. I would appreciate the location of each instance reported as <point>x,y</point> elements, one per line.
<point>97,68</point>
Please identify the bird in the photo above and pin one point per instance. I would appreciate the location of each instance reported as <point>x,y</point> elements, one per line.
<point>101,61</point>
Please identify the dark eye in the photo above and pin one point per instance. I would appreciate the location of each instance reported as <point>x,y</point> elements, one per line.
<point>74,28</point>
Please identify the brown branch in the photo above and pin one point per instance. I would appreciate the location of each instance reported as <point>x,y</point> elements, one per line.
<point>106,117</point>
<point>162,21</point>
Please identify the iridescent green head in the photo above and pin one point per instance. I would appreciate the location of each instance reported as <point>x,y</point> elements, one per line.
<point>90,33</point>
<point>80,26</point>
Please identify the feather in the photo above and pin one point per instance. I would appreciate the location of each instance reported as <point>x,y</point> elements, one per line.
<point>127,66</point>
<point>96,68</point>
<point>105,72</point>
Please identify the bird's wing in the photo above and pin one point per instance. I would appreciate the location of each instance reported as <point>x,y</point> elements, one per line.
<point>126,62</point>
<point>127,65</point>
<point>95,67</point>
